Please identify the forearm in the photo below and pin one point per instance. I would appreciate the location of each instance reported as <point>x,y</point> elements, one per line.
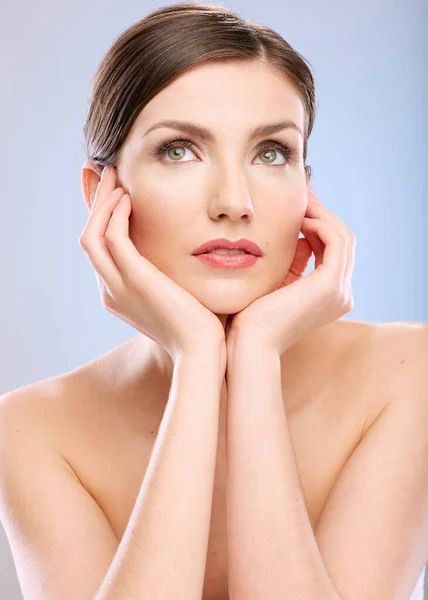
<point>272,547</point>
<point>163,551</point>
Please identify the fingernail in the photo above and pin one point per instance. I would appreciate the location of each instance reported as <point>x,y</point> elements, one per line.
<point>103,174</point>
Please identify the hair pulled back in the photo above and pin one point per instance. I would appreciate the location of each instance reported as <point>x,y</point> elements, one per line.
<point>165,44</point>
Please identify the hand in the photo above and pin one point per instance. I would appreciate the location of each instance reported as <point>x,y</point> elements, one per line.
<point>133,289</point>
<point>302,304</point>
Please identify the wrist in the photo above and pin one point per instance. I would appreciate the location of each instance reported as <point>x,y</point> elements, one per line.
<point>205,357</point>
<point>249,339</point>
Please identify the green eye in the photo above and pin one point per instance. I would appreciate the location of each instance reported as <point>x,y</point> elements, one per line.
<point>175,146</point>
<point>176,152</point>
<point>268,153</point>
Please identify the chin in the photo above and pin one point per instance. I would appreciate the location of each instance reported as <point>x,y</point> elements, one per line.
<point>226,296</point>
<point>222,305</point>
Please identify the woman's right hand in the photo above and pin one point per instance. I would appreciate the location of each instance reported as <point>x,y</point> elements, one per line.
<point>136,291</point>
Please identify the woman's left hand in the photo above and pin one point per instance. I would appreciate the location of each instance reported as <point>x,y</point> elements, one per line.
<point>301,304</point>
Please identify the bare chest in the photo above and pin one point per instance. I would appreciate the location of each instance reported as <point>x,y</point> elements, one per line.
<point>109,445</point>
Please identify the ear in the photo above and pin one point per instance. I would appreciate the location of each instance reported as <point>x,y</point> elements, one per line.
<point>90,178</point>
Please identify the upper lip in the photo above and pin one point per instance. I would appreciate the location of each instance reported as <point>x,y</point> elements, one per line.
<point>241,244</point>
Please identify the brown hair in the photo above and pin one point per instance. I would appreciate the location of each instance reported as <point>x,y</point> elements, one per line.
<point>156,50</point>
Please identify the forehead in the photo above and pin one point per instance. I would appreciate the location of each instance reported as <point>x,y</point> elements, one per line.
<point>227,97</point>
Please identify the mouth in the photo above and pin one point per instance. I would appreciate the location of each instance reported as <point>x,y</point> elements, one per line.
<point>225,246</point>
<point>227,260</point>
<point>224,251</point>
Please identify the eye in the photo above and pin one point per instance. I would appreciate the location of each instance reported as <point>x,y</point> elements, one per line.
<point>270,148</point>
<point>175,145</point>
<point>267,150</point>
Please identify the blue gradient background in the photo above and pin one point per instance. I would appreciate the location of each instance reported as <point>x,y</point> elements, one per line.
<point>368,151</point>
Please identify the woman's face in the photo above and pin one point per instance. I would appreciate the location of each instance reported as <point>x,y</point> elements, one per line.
<point>229,186</point>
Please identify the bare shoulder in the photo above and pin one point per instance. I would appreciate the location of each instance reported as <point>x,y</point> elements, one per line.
<point>383,352</point>
<point>391,363</point>
<point>31,412</point>
<point>106,403</point>
<point>116,370</point>
<point>403,335</point>
<point>403,350</point>
<point>33,399</point>
<point>30,419</point>
<point>398,351</point>
<point>376,362</point>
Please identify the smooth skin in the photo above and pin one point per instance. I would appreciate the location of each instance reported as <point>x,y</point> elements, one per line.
<point>128,281</point>
<point>169,526</point>
<point>302,304</point>
<point>223,190</point>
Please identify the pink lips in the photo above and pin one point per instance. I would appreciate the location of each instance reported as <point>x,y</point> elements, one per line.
<point>228,261</point>
<point>242,244</point>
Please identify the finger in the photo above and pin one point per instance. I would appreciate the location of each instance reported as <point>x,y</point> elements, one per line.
<point>350,261</point>
<point>314,211</point>
<point>94,243</point>
<point>316,246</point>
<point>126,256</point>
<point>302,256</point>
<point>350,248</point>
<point>106,185</point>
<point>334,257</point>
<point>319,210</point>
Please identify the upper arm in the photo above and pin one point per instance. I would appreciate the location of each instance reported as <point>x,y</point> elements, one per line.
<point>373,532</point>
<point>61,541</point>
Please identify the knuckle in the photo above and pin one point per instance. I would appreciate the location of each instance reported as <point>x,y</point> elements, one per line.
<point>84,242</point>
<point>343,236</point>
<point>116,296</point>
<point>336,295</point>
<point>111,238</point>
<point>349,302</point>
<point>108,300</point>
<point>345,298</point>
<point>105,298</point>
<point>334,289</point>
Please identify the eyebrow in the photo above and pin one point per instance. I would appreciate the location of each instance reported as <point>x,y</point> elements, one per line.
<point>208,136</point>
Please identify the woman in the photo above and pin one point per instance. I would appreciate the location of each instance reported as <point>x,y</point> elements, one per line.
<point>243,389</point>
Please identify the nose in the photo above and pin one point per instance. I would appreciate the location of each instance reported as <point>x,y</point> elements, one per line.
<point>231,197</point>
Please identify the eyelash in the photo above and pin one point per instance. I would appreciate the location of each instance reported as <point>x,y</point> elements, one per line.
<point>289,151</point>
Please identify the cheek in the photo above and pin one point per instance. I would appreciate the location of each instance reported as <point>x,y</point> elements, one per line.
<point>284,225</point>
<point>156,228</point>
<point>288,202</point>
<point>281,238</point>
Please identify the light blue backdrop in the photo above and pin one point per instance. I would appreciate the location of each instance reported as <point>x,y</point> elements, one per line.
<point>368,151</point>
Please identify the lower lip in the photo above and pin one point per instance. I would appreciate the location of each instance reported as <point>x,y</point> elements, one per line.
<point>228,261</point>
